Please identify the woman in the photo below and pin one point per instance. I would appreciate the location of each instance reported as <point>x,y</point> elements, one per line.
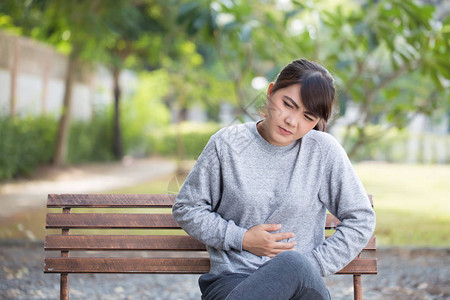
<point>259,192</point>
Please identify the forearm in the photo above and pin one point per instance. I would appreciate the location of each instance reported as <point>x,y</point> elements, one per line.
<point>351,236</point>
<point>209,227</point>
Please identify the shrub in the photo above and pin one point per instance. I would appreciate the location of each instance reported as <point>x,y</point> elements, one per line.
<point>25,143</point>
<point>193,137</point>
<point>90,141</point>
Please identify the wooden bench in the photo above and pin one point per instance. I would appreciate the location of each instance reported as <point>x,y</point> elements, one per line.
<point>193,258</point>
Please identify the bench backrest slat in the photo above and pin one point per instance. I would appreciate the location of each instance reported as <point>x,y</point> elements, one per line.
<point>124,220</point>
<point>118,221</point>
<point>143,219</point>
<point>111,200</point>
<point>116,200</point>
<point>122,242</point>
<point>163,265</point>
<point>133,242</point>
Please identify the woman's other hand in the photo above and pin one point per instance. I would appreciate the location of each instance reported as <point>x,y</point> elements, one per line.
<point>259,241</point>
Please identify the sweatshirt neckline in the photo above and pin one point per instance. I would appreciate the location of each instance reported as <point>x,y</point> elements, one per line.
<point>265,145</point>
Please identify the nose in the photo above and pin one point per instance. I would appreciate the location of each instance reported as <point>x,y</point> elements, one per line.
<point>292,119</point>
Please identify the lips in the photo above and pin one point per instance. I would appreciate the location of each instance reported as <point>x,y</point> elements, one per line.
<point>284,131</point>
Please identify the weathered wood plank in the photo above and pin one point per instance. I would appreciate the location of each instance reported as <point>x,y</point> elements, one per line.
<point>122,242</point>
<point>111,200</point>
<point>97,220</point>
<point>361,266</point>
<point>134,242</point>
<point>116,221</point>
<point>117,200</point>
<point>126,265</point>
<point>163,265</point>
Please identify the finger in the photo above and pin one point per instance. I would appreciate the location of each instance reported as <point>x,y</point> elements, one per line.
<point>283,236</point>
<point>271,227</point>
<point>283,246</point>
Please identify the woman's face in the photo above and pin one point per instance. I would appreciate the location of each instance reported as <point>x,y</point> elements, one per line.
<point>287,119</point>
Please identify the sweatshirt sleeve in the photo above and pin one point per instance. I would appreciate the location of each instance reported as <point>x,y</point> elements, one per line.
<point>344,196</point>
<point>195,205</point>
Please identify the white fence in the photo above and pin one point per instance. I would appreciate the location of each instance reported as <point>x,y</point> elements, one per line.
<point>32,80</point>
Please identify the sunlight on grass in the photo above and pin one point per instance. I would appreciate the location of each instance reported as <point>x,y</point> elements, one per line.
<point>159,186</point>
<point>411,202</point>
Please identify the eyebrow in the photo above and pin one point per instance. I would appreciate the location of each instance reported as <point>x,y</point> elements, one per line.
<point>296,106</point>
<point>291,100</point>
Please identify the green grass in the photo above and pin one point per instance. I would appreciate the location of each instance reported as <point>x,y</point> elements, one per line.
<point>158,186</point>
<point>411,202</point>
<point>30,225</point>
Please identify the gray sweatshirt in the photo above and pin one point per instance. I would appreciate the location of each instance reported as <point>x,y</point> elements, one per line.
<point>240,180</point>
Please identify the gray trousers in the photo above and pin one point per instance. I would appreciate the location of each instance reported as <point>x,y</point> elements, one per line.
<point>289,275</point>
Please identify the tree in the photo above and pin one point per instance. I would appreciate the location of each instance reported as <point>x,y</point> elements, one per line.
<point>136,42</point>
<point>389,58</point>
<point>230,31</point>
<point>87,31</point>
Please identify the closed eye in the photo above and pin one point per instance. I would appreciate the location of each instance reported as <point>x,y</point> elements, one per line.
<point>308,118</point>
<point>287,104</point>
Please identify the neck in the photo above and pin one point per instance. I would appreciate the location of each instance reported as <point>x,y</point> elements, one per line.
<point>262,128</point>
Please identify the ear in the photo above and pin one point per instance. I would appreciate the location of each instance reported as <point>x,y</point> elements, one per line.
<point>269,89</point>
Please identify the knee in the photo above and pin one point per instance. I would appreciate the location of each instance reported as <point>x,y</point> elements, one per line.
<point>295,261</point>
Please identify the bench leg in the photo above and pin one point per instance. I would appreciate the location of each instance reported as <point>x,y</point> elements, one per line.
<point>357,287</point>
<point>64,289</point>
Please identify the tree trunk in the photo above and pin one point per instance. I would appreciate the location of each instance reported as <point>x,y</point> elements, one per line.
<point>14,64</point>
<point>361,140</point>
<point>62,138</point>
<point>117,134</point>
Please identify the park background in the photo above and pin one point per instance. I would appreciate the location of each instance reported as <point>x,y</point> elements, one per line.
<point>91,88</point>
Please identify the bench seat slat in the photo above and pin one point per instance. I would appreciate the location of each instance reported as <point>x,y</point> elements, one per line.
<point>122,242</point>
<point>126,265</point>
<point>361,266</point>
<point>116,221</point>
<point>134,242</point>
<point>163,265</point>
<point>111,200</point>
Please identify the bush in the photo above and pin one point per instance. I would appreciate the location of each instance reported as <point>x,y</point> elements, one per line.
<point>194,137</point>
<point>90,141</point>
<point>29,142</point>
<point>145,112</point>
<point>25,143</point>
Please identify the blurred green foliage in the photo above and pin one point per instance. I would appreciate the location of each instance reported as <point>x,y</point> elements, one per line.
<point>90,141</point>
<point>389,59</point>
<point>145,112</point>
<point>28,143</point>
<point>25,143</point>
<point>193,136</point>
